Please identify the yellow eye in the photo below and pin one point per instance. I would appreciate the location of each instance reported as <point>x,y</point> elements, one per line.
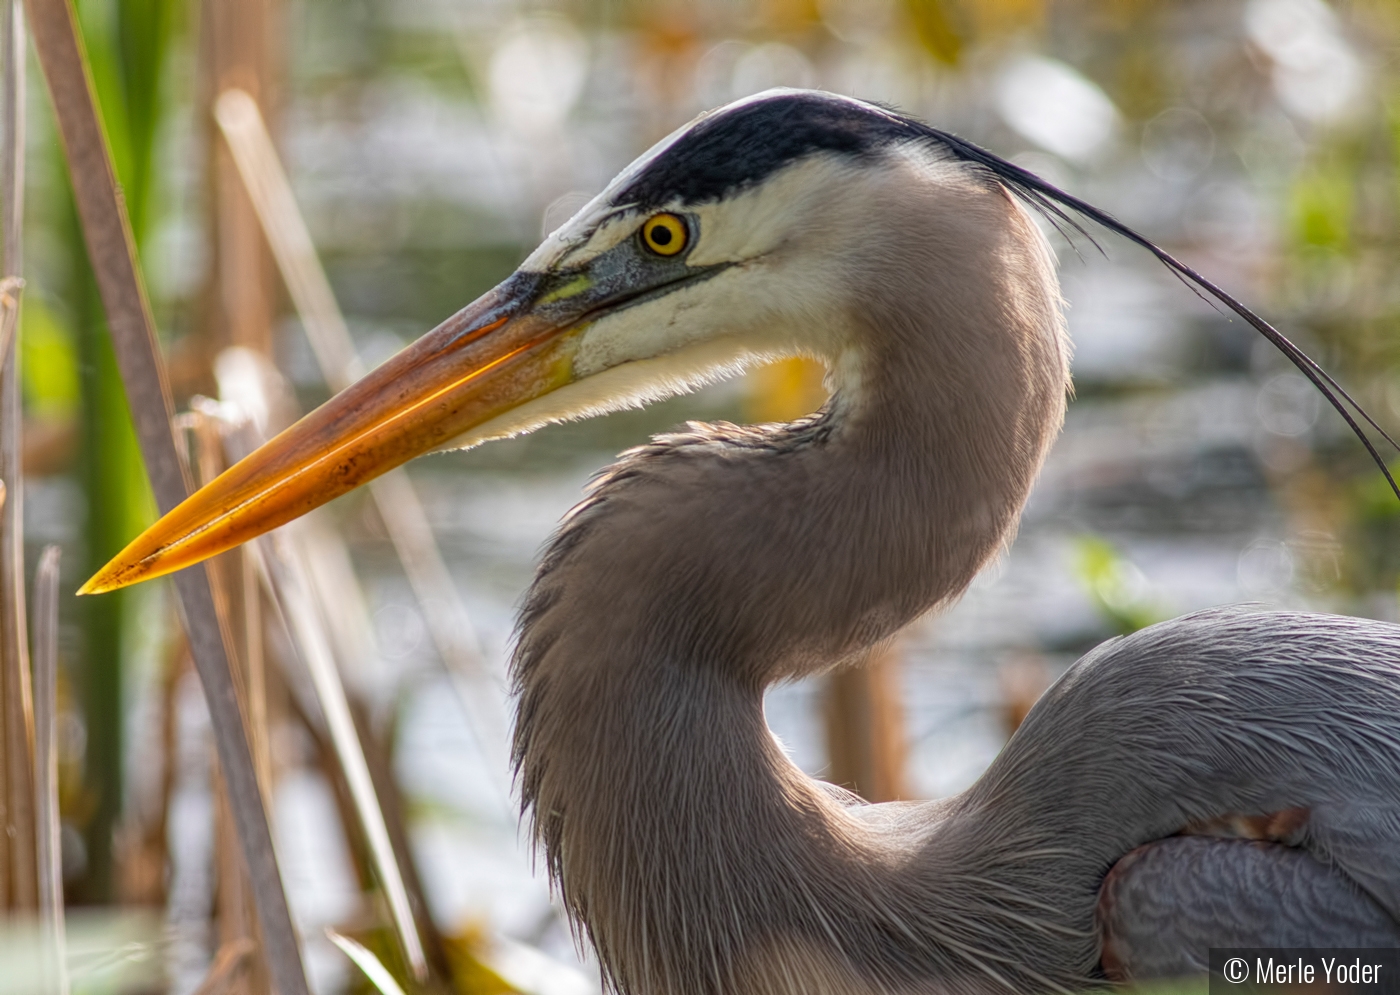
<point>665,234</point>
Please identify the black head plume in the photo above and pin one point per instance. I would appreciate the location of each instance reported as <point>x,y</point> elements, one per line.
<point>1056,203</point>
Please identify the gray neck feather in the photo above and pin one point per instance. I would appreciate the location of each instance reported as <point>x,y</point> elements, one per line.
<point>706,566</point>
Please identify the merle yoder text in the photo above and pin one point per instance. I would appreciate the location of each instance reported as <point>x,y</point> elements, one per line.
<point>1300,972</point>
<point>1237,970</point>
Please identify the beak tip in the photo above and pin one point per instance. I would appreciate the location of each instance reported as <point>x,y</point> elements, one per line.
<point>112,577</point>
<point>94,585</point>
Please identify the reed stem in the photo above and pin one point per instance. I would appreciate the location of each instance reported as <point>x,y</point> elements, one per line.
<point>46,767</point>
<point>20,879</point>
<point>112,252</point>
<point>395,498</point>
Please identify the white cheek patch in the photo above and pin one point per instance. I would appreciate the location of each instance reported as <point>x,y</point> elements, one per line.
<point>629,385</point>
<point>781,304</point>
<point>750,305</point>
<point>759,220</point>
<point>645,331</point>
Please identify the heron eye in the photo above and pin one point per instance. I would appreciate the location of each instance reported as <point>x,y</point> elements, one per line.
<point>665,234</point>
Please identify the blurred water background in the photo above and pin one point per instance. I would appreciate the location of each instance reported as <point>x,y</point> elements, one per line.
<point>431,143</point>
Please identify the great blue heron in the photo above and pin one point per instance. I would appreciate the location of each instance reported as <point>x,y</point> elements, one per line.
<point>1228,778</point>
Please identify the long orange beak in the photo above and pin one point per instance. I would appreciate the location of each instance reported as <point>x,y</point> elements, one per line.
<point>510,346</point>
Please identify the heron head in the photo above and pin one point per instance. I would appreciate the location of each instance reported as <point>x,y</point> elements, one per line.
<point>740,238</point>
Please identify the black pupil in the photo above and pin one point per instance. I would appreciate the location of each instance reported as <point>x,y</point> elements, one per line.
<point>661,235</point>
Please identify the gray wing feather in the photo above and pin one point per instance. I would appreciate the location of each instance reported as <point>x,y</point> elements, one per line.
<point>1224,715</point>
<point>1164,905</point>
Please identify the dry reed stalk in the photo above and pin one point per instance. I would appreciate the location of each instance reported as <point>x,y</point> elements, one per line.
<point>12,39</point>
<point>308,716</point>
<point>233,907</point>
<point>391,802</point>
<point>230,962</point>
<point>5,870</point>
<point>323,556</point>
<point>10,286</point>
<point>46,767</point>
<point>255,671</point>
<point>143,852</point>
<point>112,252</point>
<point>21,883</point>
<point>239,45</point>
<point>865,735</point>
<point>249,383</point>
<point>398,504</point>
<point>226,574</point>
<point>288,583</point>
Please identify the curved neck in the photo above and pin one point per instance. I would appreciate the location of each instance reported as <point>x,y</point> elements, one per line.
<point>708,565</point>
